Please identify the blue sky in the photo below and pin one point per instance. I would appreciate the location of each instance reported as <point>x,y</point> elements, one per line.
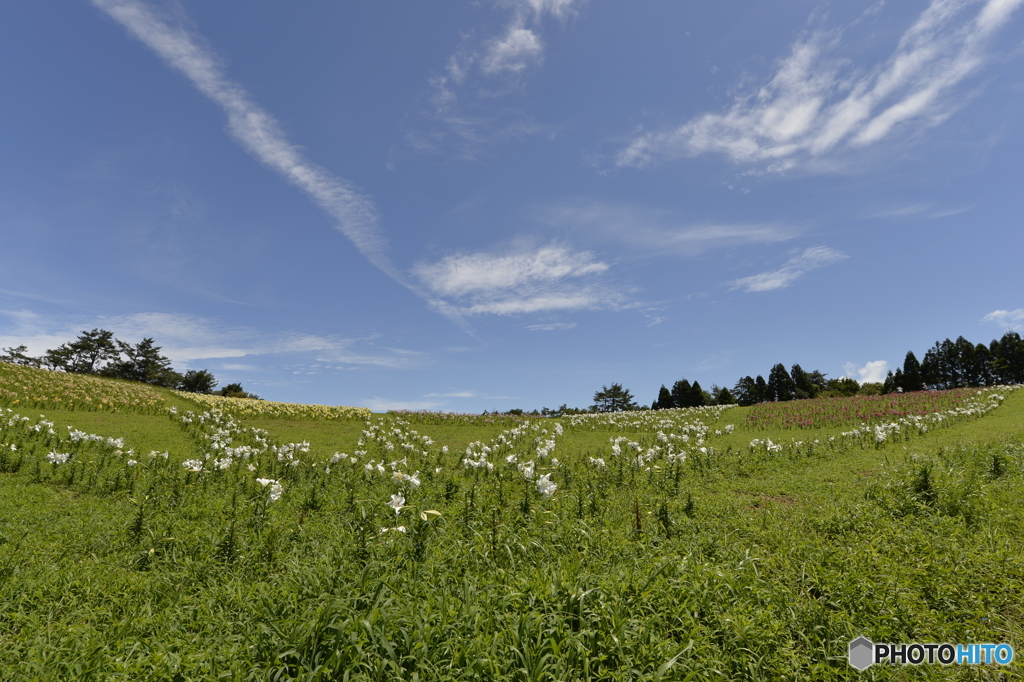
<point>472,206</point>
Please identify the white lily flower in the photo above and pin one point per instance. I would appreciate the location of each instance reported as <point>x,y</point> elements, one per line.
<point>275,488</point>
<point>546,486</point>
<point>58,457</point>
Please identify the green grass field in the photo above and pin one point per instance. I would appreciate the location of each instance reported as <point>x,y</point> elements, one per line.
<point>689,555</point>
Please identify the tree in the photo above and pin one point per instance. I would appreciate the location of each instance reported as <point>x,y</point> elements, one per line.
<point>818,380</point>
<point>805,388</point>
<point>197,381</point>
<point>236,391</point>
<point>722,396</point>
<point>843,387</point>
<point>143,363</point>
<point>614,399</point>
<point>912,379</point>
<point>965,364</point>
<point>983,373</point>
<point>874,388</point>
<point>697,396</point>
<point>16,355</point>
<point>1008,358</point>
<point>664,400</point>
<point>681,393</point>
<point>745,391</point>
<point>88,354</point>
<point>761,391</point>
<point>780,384</point>
<point>959,364</point>
<point>937,368</point>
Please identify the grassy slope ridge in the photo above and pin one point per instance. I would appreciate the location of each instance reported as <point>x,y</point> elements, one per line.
<point>731,564</point>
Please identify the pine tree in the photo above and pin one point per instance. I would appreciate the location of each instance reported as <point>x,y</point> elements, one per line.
<point>88,354</point>
<point>697,397</point>
<point>983,371</point>
<point>613,399</point>
<point>761,392</point>
<point>818,380</point>
<point>722,395</point>
<point>804,387</point>
<point>745,392</point>
<point>17,355</point>
<point>912,379</point>
<point>780,384</point>
<point>899,381</point>
<point>144,363</point>
<point>681,393</point>
<point>1008,358</point>
<point>964,364</point>
<point>664,400</point>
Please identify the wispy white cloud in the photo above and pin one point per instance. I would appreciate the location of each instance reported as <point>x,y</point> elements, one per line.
<point>658,231</point>
<point>189,339</point>
<point>551,326</point>
<point>518,303</point>
<point>344,351</point>
<point>815,105</point>
<point>715,361</point>
<point>1008,319</point>
<point>795,268</point>
<point>470,132</point>
<point>519,280</point>
<point>467,111</point>
<point>900,211</point>
<point>873,372</point>
<point>463,274</point>
<point>925,211</point>
<point>557,8</point>
<point>32,330</point>
<point>460,394</point>
<point>518,48</point>
<point>254,128</point>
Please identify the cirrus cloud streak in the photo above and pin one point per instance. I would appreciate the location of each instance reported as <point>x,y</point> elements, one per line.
<point>813,105</point>
<point>795,268</point>
<point>255,129</point>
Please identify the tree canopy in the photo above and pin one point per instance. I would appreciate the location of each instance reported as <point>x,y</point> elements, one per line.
<point>98,352</point>
<point>613,399</point>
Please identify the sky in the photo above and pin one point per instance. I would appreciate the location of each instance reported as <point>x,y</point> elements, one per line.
<point>468,206</point>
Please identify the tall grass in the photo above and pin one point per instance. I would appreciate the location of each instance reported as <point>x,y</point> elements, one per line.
<point>664,552</point>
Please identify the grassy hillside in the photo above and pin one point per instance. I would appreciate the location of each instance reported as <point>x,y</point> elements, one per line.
<point>316,544</point>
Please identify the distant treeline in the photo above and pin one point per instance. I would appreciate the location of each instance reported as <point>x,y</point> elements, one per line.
<point>961,364</point>
<point>99,353</point>
<point>948,364</point>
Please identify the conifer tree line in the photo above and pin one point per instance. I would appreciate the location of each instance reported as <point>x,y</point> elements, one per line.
<point>961,364</point>
<point>97,352</point>
<point>948,364</point>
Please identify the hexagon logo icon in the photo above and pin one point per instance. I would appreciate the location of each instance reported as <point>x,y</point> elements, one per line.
<point>862,653</point>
